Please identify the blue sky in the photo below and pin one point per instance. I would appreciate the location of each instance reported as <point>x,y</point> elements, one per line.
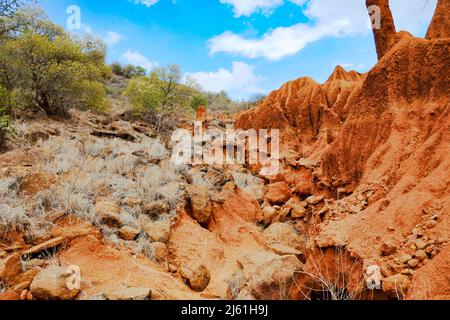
<point>242,46</point>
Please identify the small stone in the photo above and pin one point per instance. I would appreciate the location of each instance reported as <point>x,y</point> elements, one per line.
<point>407,272</point>
<point>421,255</point>
<point>29,296</point>
<point>441,240</point>
<point>388,248</point>
<point>403,258</point>
<point>200,202</point>
<point>198,279</point>
<point>420,244</point>
<point>430,249</point>
<point>109,213</point>
<point>278,193</point>
<point>129,294</point>
<point>297,209</point>
<point>268,214</point>
<point>158,231</point>
<point>285,235</point>
<point>128,233</point>
<point>413,263</point>
<point>396,286</point>
<point>160,251</point>
<point>431,224</point>
<point>51,284</point>
<point>314,200</point>
<point>9,268</point>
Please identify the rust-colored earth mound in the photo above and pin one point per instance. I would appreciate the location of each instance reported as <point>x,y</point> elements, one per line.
<point>385,135</point>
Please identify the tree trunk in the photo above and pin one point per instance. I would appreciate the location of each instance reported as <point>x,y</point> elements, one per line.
<point>385,32</point>
<point>440,25</point>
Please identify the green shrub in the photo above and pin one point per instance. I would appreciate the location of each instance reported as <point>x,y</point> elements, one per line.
<point>128,71</point>
<point>51,70</point>
<point>162,95</point>
<point>5,119</point>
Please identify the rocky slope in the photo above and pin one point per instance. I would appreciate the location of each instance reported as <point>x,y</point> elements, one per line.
<point>363,189</point>
<point>379,152</point>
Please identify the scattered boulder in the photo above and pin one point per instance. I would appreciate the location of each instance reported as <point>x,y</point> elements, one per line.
<point>396,286</point>
<point>53,284</point>
<point>267,215</point>
<point>431,224</point>
<point>421,255</point>
<point>197,279</point>
<point>9,268</point>
<point>403,258</point>
<point>249,184</point>
<point>285,235</point>
<point>158,231</point>
<point>200,201</point>
<point>388,248</point>
<point>269,276</point>
<point>109,213</point>
<point>278,193</point>
<point>314,200</point>
<point>413,263</point>
<point>128,233</point>
<point>297,209</point>
<point>420,244</point>
<point>37,133</point>
<point>129,294</point>
<point>160,251</point>
<point>156,208</point>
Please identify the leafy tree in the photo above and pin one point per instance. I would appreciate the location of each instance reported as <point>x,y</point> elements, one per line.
<point>5,120</point>
<point>162,94</point>
<point>49,69</point>
<point>131,71</point>
<point>8,11</point>
<point>199,100</point>
<point>128,71</point>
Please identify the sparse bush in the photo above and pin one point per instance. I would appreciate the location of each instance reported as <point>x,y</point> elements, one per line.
<point>128,71</point>
<point>161,96</point>
<point>5,119</point>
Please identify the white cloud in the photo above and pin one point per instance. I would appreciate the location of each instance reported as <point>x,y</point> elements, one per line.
<point>240,82</point>
<point>147,3</point>
<point>248,7</point>
<point>331,18</point>
<point>138,59</point>
<point>112,38</point>
<point>275,44</point>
